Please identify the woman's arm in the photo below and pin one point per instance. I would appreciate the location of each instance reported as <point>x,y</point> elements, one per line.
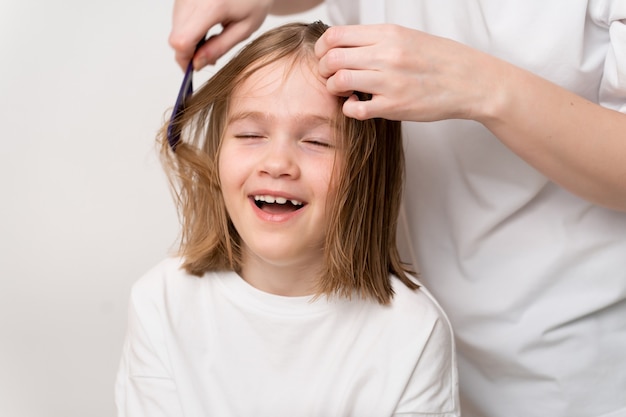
<point>578,144</point>
<point>416,76</point>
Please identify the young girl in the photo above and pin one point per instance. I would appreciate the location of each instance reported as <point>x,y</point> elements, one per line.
<point>288,297</point>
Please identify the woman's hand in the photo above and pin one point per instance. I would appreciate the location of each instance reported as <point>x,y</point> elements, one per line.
<point>192,19</point>
<point>411,75</point>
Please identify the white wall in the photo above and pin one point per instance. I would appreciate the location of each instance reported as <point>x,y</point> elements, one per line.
<point>84,207</point>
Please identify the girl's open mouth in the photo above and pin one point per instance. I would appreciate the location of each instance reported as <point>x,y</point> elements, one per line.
<point>276,205</point>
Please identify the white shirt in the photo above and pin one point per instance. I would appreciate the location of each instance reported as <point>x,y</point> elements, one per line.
<point>216,346</point>
<point>532,277</point>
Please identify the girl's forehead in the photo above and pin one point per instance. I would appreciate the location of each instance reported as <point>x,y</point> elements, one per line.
<point>287,72</point>
<point>283,90</point>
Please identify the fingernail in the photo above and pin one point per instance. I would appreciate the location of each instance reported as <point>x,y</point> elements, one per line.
<point>200,62</point>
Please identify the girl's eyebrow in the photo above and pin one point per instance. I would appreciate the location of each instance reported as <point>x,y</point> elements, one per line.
<point>305,119</point>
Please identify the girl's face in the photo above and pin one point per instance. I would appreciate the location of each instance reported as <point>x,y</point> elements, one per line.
<point>276,162</point>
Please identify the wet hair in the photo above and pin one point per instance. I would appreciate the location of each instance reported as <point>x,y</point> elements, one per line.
<point>360,250</point>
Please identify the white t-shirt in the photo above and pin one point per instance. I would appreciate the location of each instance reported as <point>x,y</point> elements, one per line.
<point>532,277</point>
<point>216,346</point>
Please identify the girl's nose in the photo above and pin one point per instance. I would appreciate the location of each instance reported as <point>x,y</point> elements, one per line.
<point>280,160</point>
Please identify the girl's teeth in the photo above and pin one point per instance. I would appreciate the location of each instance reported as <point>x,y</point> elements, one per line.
<point>279,200</point>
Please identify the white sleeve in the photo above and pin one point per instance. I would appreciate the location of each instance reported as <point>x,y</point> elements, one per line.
<point>144,385</point>
<point>342,12</point>
<point>613,85</point>
<point>433,387</point>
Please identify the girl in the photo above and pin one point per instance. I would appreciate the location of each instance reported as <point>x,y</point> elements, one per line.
<point>288,297</point>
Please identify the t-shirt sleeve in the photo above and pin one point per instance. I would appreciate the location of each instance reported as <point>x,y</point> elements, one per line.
<point>144,385</point>
<point>433,386</point>
<point>613,84</point>
<point>342,12</point>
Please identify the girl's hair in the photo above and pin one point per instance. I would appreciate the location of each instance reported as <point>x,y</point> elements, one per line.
<point>360,250</point>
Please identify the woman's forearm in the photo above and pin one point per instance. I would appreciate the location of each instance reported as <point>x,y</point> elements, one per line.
<point>578,144</point>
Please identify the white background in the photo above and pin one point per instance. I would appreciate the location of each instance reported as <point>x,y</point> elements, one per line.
<point>84,206</point>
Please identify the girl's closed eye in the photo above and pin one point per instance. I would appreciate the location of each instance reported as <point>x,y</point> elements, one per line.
<point>319,142</point>
<point>250,135</point>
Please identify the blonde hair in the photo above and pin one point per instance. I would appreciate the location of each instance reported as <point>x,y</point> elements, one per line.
<point>360,251</point>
